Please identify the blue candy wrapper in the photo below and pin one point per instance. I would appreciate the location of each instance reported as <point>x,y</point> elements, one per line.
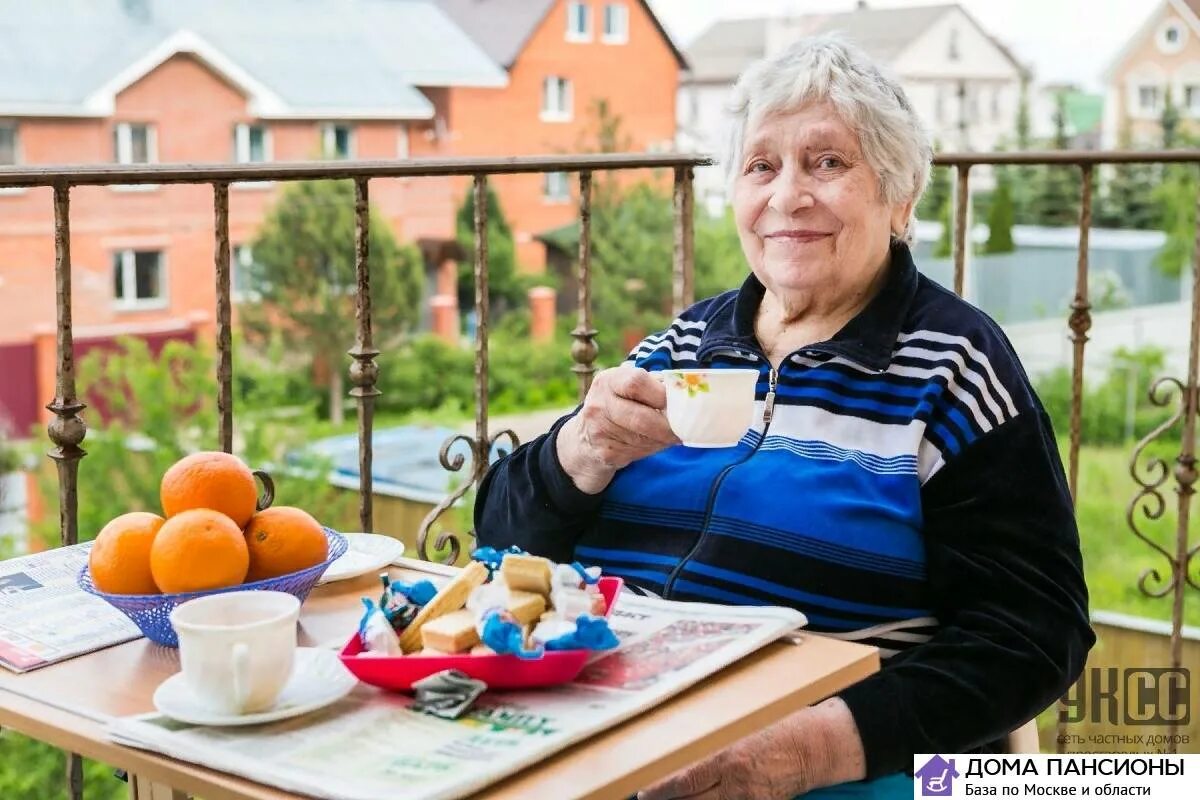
<point>591,633</point>
<point>490,557</point>
<point>503,634</point>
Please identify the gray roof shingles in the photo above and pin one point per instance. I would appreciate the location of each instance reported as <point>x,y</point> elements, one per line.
<point>365,56</point>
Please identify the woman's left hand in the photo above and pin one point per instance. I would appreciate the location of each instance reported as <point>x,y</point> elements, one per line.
<point>815,747</point>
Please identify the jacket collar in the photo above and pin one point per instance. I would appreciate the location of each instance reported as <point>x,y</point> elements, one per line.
<point>868,339</point>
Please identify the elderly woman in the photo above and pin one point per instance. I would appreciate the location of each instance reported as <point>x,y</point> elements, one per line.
<point>901,484</point>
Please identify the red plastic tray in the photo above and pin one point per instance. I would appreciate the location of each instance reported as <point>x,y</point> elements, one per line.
<point>398,673</point>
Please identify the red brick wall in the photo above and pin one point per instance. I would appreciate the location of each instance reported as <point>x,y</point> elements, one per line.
<point>638,79</point>
<point>194,111</point>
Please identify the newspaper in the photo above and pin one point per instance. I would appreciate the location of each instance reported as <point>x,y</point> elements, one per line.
<point>46,618</point>
<point>370,745</point>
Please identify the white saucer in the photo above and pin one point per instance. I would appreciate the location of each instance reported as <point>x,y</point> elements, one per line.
<point>368,552</point>
<point>318,679</point>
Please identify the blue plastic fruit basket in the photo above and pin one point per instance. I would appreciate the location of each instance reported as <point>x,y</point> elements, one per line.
<point>152,612</point>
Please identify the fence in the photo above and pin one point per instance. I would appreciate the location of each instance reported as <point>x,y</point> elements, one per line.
<point>67,430</point>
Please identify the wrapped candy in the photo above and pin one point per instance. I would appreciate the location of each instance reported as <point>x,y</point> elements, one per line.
<point>503,634</point>
<point>375,632</point>
<point>491,558</point>
<point>590,633</point>
<point>551,628</point>
<point>398,592</point>
<point>491,595</point>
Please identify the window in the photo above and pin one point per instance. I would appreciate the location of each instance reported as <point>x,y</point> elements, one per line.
<point>8,143</point>
<point>242,279</point>
<point>952,48</point>
<point>555,188</point>
<point>337,140</point>
<point>579,22</point>
<point>556,99</point>
<point>996,91</point>
<point>251,144</point>
<point>1149,98</point>
<point>1191,98</point>
<point>616,23</point>
<point>1171,36</point>
<point>135,143</point>
<point>403,146</point>
<point>940,103</point>
<point>138,280</point>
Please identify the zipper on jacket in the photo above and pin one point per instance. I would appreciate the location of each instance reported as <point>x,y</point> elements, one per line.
<point>768,412</point>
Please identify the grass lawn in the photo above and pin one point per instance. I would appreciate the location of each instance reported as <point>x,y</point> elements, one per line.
<point>1113,556</point>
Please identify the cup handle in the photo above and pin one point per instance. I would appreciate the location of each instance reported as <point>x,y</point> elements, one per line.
<point>240,658</point>
<point>268,495</point>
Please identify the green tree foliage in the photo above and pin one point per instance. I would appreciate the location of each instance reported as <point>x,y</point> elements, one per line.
<point>1000,216</point>
<point>936,195</point>
<point>1024,178</point>
<point>1055,199</point>
<point>1176,197</point>
<point>156,409</point>
<point>1115,411</point>
<point>304,273</point>
<point>1129,199</point>
<point>506,289</point>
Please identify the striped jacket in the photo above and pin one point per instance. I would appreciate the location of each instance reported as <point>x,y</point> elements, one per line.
<point>901,486</point>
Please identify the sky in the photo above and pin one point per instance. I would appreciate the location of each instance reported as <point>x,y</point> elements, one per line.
<point>1064,40</point>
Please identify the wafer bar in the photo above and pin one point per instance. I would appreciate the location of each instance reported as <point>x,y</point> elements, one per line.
<point>451,633</point>
<point>450,597</point>
<point>524,573</point>
<point>526,607</point>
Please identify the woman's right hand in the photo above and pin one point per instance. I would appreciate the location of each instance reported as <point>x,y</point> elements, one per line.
<point>621,421</point>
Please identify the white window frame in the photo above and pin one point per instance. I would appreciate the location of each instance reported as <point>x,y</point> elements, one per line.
<point>329,139</point>
<point>131,302</point>
<point>124,153</point>
<point>17,155</point>
<point>241,143</point>
<point>573,34</point>
<point>1159,99</point>
<point>564,94</point>
<point>621,36</point>
<point>1164,44</point>
<point>403,142</point>
<point>241,257</point>
<point>556,188</point>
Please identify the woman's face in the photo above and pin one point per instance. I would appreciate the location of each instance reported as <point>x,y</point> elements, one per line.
<point>808,208</point>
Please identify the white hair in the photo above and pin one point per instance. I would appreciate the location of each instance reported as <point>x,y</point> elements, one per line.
<point>828,68</point>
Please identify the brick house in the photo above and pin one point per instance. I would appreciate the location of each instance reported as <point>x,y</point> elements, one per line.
<point>561,56</point>
<point>144,81</point>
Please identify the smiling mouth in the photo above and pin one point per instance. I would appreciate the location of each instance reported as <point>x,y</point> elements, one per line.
<point>798,236</point>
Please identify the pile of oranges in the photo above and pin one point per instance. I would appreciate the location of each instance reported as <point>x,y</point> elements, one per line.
<point>210,537</point>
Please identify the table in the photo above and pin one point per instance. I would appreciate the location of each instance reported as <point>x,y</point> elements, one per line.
<point>69,704</point>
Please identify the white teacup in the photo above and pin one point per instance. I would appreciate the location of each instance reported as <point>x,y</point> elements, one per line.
<point>710,407</point>
<point>237,648</point>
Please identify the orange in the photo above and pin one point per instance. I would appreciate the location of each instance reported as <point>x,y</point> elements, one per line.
<point>198,549</point>
<point>210,480</point>
<point>282,540</point>
<point>120,557</point>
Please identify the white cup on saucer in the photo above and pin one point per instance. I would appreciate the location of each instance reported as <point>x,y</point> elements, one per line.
<point>709,407</point>
<point>237,649</point>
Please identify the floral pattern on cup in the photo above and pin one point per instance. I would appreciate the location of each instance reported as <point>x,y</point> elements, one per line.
<point>693,383</point>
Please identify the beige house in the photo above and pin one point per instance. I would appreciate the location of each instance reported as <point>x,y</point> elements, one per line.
<point>1161,57</point>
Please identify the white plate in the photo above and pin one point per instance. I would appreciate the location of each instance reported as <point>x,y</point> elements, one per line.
<point>318,679</point>
<point>368,552</point>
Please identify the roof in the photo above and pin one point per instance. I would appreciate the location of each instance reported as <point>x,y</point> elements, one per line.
<point>1188,9</point>
<point>1085,111</point>
<point>729,46</point>
<point>502,27</point>
<point>71,57</point>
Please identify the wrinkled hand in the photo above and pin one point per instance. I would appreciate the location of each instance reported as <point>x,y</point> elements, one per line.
<point>621,421</point>
<point>765,766</point>
<point>815,747</point>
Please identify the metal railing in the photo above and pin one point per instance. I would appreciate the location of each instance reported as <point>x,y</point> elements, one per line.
<point>67,430</point>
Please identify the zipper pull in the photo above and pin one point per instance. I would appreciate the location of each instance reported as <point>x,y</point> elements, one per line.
<point>769,407</point>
